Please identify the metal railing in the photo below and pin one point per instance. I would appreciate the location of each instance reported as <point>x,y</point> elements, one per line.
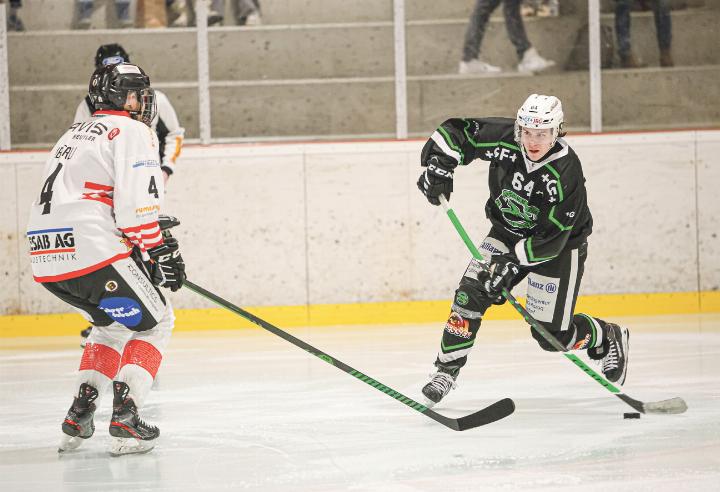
<point>400,73</point>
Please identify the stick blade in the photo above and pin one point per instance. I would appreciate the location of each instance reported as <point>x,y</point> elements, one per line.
<point>492,413</point>
<point>673,405</point>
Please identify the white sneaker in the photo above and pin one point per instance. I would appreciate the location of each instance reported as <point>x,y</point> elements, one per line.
<point>180,21</point>
<point>477,66</point>
<point>253,19</point>
<point>177,14</point>
<point>214,18</point>
<point>533,62</point>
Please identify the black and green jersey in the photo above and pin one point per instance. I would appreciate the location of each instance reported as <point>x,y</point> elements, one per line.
<point>539,208</point>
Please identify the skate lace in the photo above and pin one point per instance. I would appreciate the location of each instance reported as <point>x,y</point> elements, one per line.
<point>129,414</point>
<point>141,424</point>
<point>442,382</point>
<point>611,360</point>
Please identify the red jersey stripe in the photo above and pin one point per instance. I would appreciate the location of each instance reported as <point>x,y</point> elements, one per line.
<point>101,199</point>
<point>84,271</point>
<point>96,186</point>
<point>110,111</point>
<point>51,251</point>
<point>149,226</point>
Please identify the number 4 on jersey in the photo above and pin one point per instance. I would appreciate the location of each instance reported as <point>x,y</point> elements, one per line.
<point>46,193</point>
<point>517,183</point>
<point>152,188</point>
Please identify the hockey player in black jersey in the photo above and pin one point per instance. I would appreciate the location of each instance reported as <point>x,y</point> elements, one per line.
<point>540,224</point>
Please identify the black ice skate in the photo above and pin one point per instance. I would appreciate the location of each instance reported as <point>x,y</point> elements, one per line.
<point>614,353</point>
<point>132,434</point>
<point>440,385</point>
<point>78,424</point>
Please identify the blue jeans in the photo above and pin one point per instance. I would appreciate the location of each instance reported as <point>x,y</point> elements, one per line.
<point>122,9</point>
<point>478,22</point>
<point>663,24</point>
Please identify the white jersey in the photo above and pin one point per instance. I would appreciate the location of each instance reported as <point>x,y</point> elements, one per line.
<point>167,126</point>
<point>101,196</point>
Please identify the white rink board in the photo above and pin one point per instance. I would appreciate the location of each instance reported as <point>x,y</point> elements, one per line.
<point>319,223</point>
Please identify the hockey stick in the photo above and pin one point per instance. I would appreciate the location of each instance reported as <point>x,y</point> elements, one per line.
<point>673,405</point>
<point>489,414</point>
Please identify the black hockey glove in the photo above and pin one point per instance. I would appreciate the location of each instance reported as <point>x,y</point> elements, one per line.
<point>435,181</point>
<point>500,275</point>
<point>167,268</point>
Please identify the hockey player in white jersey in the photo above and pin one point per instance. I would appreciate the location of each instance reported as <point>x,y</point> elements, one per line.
<point>96,244</point>
<point>167,126</point>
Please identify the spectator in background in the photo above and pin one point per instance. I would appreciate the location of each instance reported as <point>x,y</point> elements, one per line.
<point>247,12</point>
<point>85,8</point>
<point>14,23</point>
<point>541,8</point>
<point>530,59</point>
<point>216,12</point>
<point>151,14</point>
<point>663,28</point>
<point>178,13</point>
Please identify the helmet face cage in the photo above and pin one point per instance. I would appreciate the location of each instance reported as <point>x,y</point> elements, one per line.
<point>110,86</point>
<point>556,132</point>
<point>148,106</point>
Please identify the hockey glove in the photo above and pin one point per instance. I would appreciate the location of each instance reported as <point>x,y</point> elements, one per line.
<point>500,275</point>
<point>167,222</point>
<point>435,181</point>
<point>167,268</point>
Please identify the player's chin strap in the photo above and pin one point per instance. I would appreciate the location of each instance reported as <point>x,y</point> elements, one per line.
<point>673,405</point>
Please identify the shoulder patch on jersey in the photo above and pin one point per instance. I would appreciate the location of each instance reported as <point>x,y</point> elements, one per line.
<point>113,133</point>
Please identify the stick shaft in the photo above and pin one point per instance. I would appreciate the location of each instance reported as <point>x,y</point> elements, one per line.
<point>494,412</point>
<point>672,406</point>
<point>523,312</point>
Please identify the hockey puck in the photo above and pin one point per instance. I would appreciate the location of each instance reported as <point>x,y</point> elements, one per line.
<point>631,415</point>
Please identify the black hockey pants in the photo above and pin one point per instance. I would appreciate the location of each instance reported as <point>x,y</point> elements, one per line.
<point>552,289</point>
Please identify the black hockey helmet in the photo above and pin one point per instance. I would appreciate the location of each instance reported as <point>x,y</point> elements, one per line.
<point>110,54</point>
<point>111,85</point>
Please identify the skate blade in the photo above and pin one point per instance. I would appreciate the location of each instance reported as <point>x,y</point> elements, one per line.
<point>69,443</point>
<point>129,445</point>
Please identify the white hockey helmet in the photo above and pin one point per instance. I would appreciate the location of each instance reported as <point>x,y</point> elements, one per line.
<point>540,112</point>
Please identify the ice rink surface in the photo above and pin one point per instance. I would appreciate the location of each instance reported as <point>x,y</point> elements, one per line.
<point>246,410</point>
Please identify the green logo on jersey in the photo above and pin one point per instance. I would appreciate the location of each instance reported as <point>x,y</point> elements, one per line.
<point>516,210</point>
<point>462,298</point>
